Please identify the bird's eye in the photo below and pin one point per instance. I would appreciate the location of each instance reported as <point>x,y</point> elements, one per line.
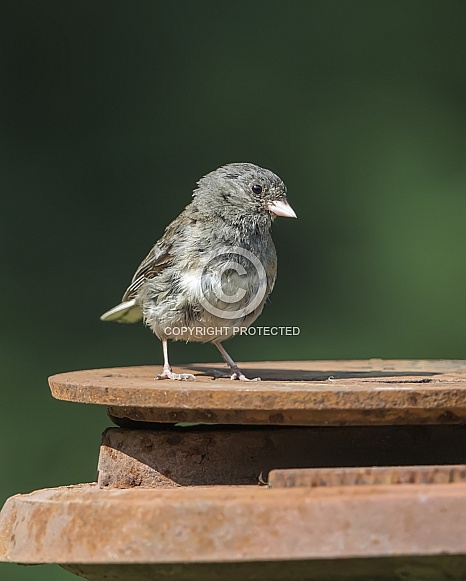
<point>257,189</point>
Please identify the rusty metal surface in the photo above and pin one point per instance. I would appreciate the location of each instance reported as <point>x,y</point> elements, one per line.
<point>291,393</point>
<point>88,525</point>
<point>370,476</point>
<point>167,458</point>
<point>440,568</point>
<point>213,455</point>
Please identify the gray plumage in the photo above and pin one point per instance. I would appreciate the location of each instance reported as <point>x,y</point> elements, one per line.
<point>203,259</point>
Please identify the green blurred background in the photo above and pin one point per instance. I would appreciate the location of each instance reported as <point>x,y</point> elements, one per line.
<point>110,112</point>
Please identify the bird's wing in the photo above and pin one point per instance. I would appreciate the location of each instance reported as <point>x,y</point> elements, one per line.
<point>157,259</point>
<point>160,256</point>
<point>129,311</point>
<point>161,253</point>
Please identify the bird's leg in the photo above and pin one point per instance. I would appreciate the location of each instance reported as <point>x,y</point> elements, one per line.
<point>236,373</point>
<point>167,370</point>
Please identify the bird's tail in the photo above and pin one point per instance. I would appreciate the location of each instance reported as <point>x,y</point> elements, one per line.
<point>127,312</point>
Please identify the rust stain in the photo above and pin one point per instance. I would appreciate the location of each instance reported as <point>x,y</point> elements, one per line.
<point>291,393</point>
<point>236,524</point>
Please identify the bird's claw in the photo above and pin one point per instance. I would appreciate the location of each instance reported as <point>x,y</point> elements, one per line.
<point>239,376</point>
<point>234,375</point>
<point>169,374</point>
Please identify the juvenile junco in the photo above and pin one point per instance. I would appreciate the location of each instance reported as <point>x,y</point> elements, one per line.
<point>210,274</point>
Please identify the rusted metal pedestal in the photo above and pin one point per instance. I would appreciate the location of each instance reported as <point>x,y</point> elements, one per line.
<point>235,499</point>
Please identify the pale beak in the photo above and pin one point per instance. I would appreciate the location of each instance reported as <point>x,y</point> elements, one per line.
<point>281,208</point>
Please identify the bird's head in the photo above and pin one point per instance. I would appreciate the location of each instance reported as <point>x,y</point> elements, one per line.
<point>241,190</point>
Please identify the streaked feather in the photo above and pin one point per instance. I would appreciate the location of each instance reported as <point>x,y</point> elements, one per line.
<point>154,262</point>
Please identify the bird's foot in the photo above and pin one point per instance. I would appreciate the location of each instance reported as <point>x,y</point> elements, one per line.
<point>238,375</point>
<point>235,375</point>
<point>169,374</point>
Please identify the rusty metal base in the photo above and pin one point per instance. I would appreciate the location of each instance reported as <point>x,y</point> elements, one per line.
<point>202,456</point>
<point>408,532</point>
<point>186,505</point>
<point>300,393</point>
<point>439,568</point>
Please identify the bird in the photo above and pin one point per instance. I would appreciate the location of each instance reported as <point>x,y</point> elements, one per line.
<point>209,275</point>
